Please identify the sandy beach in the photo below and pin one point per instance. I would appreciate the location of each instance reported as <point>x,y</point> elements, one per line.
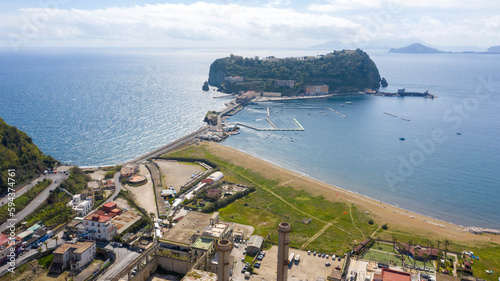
<point>396,218</point>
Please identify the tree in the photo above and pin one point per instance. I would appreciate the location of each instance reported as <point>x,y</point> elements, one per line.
<point>415,250</point>
<point>432,247</point>
<point>46,243</point>
<point>394,241</point>
<point>439,243</point>
<point>55,238</point>
<point>446,244</point>
<point>425,257</point>
<point>378,242</point>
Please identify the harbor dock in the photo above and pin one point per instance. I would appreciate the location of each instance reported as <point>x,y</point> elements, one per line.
<point>274,127</point>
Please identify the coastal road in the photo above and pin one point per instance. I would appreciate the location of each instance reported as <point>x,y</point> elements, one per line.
<point>35,203</point>
<point>54,177</point>
<point>118,187</point>
<point>124,257</point>
<point>172,145</point>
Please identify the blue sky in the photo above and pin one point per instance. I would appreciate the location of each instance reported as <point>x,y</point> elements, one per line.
<point>254,23</point>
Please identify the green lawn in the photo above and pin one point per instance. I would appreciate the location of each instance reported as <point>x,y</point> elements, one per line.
<point>265,210</point>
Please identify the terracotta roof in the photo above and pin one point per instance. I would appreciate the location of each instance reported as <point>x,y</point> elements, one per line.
<point>394,275</point>
<point>97,217</point>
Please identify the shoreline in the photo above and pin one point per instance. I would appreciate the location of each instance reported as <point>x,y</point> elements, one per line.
<point>385,213</point>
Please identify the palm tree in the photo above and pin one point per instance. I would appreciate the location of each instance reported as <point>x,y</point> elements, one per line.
<point>46,243</point>
<point>439,243</point>
<point>55,238</point>
<point>430,255</point>
<point>446,244</point>
<point>394,241</point>
<point>415,250</point>
<point>425,256</point>
<point>410,242</point>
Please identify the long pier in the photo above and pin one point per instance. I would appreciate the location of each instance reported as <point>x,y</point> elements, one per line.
<point>343,116</point>
<point>274,127</point>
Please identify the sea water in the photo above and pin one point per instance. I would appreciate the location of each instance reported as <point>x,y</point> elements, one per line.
<point>104,107</point>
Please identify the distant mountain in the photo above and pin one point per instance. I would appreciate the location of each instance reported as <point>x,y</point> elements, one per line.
<point>383,43</point>
<point>415,48</point>
<point>494,49</point>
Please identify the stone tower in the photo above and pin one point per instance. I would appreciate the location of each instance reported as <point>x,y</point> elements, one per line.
<point>284,230</point>
<point>224,250</point>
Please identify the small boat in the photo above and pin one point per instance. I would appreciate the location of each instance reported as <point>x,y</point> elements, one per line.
<point>348,102</point>
<point>459,134</point>
<point>401,138</point>
<point>236,133</point>
<point>341,105</point>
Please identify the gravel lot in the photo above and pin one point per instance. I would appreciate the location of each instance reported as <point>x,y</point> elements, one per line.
<point>308,269</point>
<point>176,174</point>
<point>144,194</point>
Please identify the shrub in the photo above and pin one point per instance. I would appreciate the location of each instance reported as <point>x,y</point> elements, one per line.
<point>384,227</point>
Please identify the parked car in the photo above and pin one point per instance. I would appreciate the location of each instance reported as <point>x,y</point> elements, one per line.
<point>327,264</point>
<point>337,267</point>
<point>257,265</point>
<point>323,255</point>
<point>314,254</point>
<point>309,252</point>
<point>260,257</point>
<point>339,258</point>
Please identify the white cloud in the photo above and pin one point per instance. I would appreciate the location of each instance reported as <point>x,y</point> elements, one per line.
<point>198,21</point>
<point>277,23</point>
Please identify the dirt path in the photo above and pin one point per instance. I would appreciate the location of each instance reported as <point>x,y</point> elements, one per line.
<point>315,236</point>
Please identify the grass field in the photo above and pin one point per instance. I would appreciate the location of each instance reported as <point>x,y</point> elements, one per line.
<point>331,228</point>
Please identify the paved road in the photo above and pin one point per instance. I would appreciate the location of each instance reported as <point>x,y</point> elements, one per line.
<point>118,187</point>
<point>53,177</point>
<point>124,257</point>
<point>35,203</point>
<point>176,143</point>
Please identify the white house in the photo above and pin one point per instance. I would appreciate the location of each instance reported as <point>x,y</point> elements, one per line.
<point>82,207</point>
<point>99,227</point>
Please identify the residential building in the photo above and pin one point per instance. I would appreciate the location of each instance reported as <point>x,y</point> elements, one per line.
<point>233,79</point>
<point>6,246</point>
<point>99,226</point>
<point>73,255</point>
<point>82,207</point>
<point>286,83</point>
<point>129,170</point>
<point>316,90</point>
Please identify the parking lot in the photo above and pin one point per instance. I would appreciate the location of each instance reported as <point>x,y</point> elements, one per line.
<point>309,267</point>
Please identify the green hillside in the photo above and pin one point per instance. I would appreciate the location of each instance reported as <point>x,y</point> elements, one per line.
<point>18,152</point>
<point>346,70</point>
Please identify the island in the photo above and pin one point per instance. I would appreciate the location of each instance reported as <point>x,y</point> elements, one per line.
<point>494,49</point>
<point>415,48</point>
<point>336,72</point>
